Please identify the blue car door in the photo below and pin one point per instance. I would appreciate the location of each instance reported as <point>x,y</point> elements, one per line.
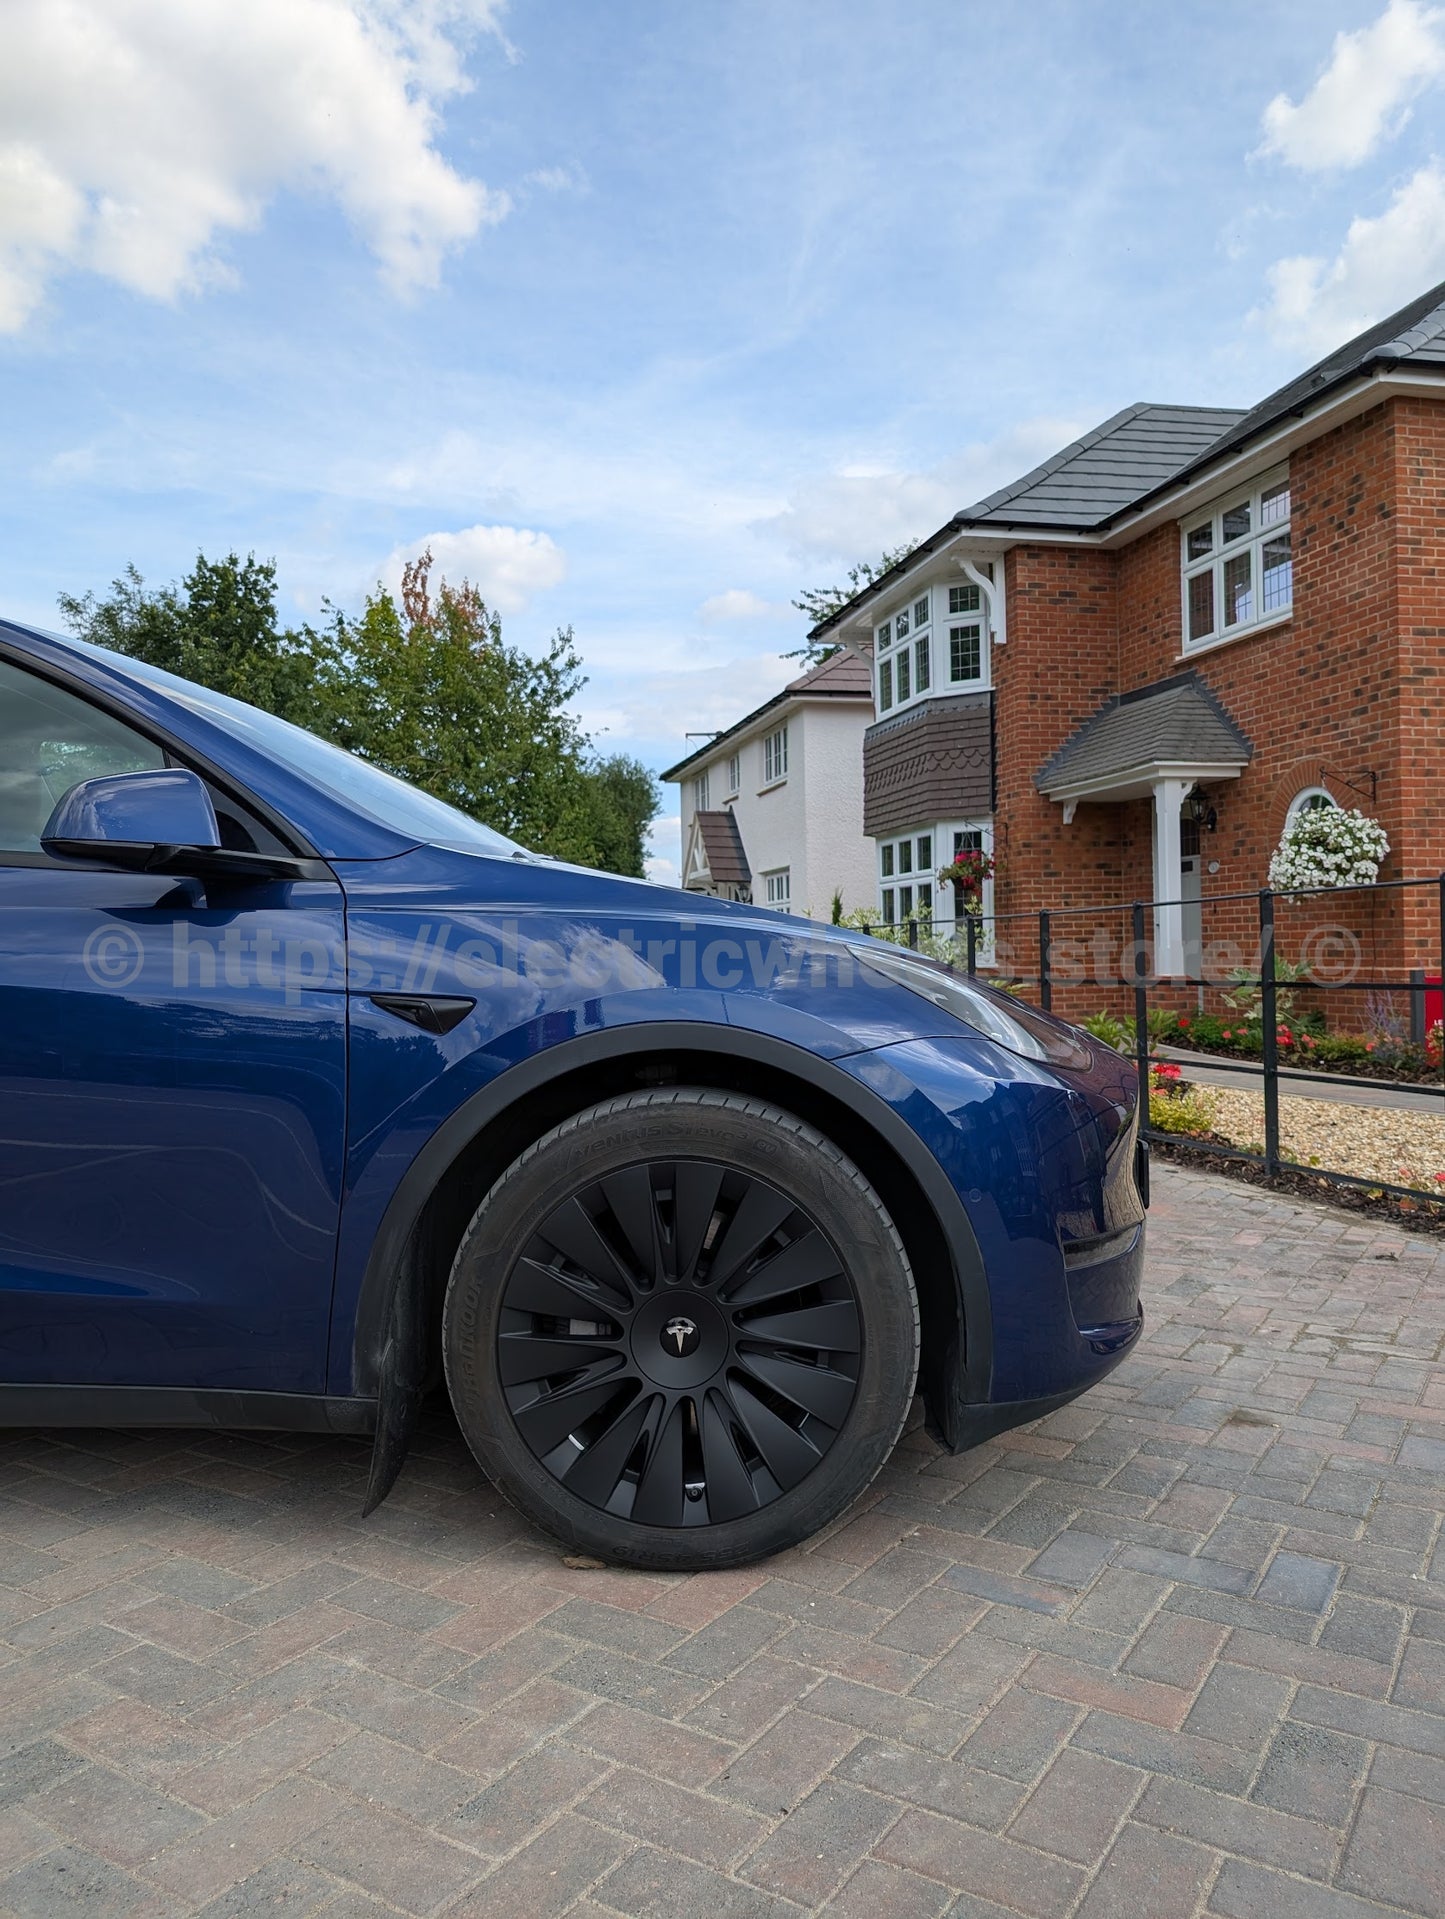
<point>172,1093</point>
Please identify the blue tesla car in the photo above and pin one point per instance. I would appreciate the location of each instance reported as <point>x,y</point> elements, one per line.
<point>316,1094</point>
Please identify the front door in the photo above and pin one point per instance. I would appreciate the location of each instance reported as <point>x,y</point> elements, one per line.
<point>172,1084</point>
<point>1191,911</point>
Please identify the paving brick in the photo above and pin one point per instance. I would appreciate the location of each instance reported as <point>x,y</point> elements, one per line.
<point>1074,1558</point>
<point>283,1887</point>
<point>1305,1585</point>
<point>1006,1589</point>
<point>1110,1692</point>
<point>718,1650</point>
<point>1397,1852</point>
<point>814,1850</point>
<point>235,1845</point>
<point>1212,1573</point>
<point>1421,1681</point>
<point>121,1820</point>
<point>958,1855</point>
<point>697,1826</point>
<point>1313,1772</point>
<point>1237,1706</point>
<point>396,1777</point>
<point>1150,1872</point>
<point>34,1767</point>
<point>877,1891</point>
<point>652,1745</point>
<point>1021,1735</point>
<point>658,1885</point>
<point>1077,1806</point>
<point>70,1881</point>
<point>978,1797</point>
<point>547,1875</point>
<point>775,1772</point>
<point>1251,1892</point>
<point>1234,1825</point>
<point>505,1814</point>
<point>1176,1650</point>
<point>391,1857</point>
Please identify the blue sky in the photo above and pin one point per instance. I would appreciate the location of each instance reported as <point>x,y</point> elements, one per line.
<point>649,315</point>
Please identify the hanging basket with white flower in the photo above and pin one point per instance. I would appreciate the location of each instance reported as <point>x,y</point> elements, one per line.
<point>1328,846</point>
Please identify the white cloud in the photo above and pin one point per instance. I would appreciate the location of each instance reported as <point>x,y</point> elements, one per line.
<point>736,604</point>
<point>1363,95</point>
<point>664,851</point>
<point>507,564</point>
<point>136,133</point>
<point>1316,303</point>
<point>860,511</point>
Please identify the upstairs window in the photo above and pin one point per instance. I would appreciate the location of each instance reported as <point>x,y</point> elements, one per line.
<point>903,651</point>
<point>775,756</point>
<point>735,769</point>
<point>1238,563</point>
<point>701,787</point>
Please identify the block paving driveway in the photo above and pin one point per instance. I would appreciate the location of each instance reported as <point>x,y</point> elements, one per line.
<point>1179,1649</point>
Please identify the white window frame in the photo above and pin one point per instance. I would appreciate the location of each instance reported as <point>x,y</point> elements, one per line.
<point>892,881</point>
<point>1222,552</point>
<point>1304,800</point>
<point>775,757</point>
<point>735,773</point>
<point>701,791</point>
<point>778,889</point>
<point>934,635</point>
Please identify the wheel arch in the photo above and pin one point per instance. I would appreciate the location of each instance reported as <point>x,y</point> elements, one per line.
<point>395,1343</point>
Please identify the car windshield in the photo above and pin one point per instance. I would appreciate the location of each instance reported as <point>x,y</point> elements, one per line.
<point>381,796</point>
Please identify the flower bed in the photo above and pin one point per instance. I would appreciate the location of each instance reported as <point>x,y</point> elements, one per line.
<point>1302,1044</point>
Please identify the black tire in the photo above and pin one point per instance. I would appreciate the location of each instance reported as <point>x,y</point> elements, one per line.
<point>752,1242</point>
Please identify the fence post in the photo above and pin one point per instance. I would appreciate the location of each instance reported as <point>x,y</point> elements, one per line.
<point>1141,1016</point>
<point>971,941</point>
<point>1046,984</point>
<point>1417,1006</point>
<point>913,933</point>
<point>1269,1015</point>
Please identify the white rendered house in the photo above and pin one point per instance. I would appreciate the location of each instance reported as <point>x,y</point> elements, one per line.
<point>772,808</point>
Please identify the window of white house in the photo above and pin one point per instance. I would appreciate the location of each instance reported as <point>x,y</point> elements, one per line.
<point>780,889</point>
<point>965,654</point>
<point>735,768</point>
<point>775,756</point>
<point>700,788</point>
<point>1238,564</point>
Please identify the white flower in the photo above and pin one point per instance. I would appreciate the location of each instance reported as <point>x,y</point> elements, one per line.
<point>1327,846</point>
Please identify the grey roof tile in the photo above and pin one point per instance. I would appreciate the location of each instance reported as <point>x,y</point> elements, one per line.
<point>1177,721</point>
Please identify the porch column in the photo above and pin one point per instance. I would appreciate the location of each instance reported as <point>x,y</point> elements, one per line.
<point>1169,797</point>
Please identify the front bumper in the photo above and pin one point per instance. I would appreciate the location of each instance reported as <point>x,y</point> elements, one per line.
<point>1047,1167</point>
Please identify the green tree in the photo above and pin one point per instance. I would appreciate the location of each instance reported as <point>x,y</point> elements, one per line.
<point>820,602</point>
<point>623,802</point>
<point>426,688</point>
<point>218,627</point>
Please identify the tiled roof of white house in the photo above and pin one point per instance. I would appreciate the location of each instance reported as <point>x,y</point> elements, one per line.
<point>842,676</point>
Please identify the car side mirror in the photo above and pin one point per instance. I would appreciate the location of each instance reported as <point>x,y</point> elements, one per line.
<point>159,821</point>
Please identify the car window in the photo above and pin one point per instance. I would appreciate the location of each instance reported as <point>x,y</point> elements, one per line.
<point>49,739</point>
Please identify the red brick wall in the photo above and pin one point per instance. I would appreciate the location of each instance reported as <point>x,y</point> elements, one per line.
<point>1352,683</point>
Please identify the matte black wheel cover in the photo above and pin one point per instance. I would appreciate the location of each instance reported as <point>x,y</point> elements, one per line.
<point>679,1343</point>
<point>681,1330</point>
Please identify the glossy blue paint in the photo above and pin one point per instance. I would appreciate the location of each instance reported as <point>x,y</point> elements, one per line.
<point>211,1126</point>
<point>166,807</point>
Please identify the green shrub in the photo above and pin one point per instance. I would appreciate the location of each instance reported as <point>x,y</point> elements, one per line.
<point>1189,1111</point>
<point>1109,1031</point>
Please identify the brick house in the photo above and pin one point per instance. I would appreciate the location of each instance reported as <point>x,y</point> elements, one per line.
<point>1123,672</point>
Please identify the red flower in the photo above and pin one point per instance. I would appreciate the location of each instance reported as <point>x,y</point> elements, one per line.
<point>1183,1022</point>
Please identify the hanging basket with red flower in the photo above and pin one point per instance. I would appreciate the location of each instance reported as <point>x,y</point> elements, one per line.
<point>966,873</point>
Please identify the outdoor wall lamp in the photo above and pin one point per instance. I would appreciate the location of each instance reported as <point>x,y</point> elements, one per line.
<point>1201,812</point>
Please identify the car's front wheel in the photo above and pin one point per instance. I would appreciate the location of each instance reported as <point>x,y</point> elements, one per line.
<point>681,1331</point>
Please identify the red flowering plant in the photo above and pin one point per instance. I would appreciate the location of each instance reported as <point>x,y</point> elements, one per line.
<point>966,873</point>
